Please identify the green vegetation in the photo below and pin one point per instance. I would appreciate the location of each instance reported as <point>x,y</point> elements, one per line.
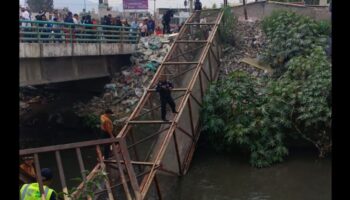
<point>257,114</point>
<point>291,35</point>
<point>235,113</point>
<point>89,186</point>
<point>91,121</point>
<point>226,29</point>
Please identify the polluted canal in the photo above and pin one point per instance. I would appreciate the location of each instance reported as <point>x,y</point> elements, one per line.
<point>210,176</point>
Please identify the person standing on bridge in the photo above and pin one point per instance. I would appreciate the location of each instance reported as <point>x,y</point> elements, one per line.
<point>197,10</point>
<point>197,5</point>
<point>106,129</point>
<point>164,88</point>
<point>166,21</point>
<point>32,191</point>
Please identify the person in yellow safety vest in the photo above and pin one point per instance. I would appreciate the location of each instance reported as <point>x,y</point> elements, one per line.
<point>106,129</point>
<point>31,191</point>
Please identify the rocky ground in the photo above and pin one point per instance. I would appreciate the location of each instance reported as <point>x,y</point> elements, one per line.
<point>249,42</point>
<point>29,96</point>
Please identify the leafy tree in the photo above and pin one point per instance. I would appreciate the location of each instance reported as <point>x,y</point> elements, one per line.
<point>214,6</point>
<point>226,29</point>
<point>38,5</point>
<point>291,35</point>
<point>311,112</point>
<point>256,114</point>
<point>233,113</point>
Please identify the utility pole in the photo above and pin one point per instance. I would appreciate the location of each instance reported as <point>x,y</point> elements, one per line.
<point>191,6</point>
<point>245,11</point>
<point>84,5</point>
<point>154,10</point>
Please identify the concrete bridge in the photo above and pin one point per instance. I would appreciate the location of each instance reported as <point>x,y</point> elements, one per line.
<point>57,52</point>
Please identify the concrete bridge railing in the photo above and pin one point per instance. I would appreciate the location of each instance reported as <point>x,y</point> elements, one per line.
<point>56,39</point>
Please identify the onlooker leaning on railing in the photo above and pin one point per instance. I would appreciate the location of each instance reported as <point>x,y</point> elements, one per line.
<point>53,31</point>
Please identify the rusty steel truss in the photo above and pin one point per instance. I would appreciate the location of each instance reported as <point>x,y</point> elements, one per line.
<point>147,146</point>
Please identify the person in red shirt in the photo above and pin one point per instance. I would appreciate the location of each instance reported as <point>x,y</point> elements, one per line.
<point>158,31</point>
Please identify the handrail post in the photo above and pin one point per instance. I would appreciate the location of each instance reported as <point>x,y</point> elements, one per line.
<point>71,35</point>
<point>122,35</point>
<point>37,32</point>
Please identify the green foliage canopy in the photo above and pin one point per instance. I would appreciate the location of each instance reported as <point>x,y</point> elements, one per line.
<point>291,35</point>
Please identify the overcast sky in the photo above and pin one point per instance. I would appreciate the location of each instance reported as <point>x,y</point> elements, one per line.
<point>78,5</point>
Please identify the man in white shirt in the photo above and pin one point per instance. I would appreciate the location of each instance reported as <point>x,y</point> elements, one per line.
<point>25,16</point>
<point>76,19</point>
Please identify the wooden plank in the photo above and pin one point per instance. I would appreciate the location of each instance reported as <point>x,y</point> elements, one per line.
<point>255,63</point>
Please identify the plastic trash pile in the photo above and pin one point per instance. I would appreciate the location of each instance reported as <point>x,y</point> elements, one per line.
<point>127,86</point>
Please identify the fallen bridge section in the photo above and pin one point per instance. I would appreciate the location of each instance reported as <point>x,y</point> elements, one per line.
<point>168,147</point>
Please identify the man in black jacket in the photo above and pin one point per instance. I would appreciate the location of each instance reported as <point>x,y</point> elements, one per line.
<point>197,10</point>
<point>197,5</point>
<point>164,88</point>
<point>166,21</point>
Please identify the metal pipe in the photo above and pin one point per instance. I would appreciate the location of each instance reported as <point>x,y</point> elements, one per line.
<point>61,173</point>
<point>38,174</point>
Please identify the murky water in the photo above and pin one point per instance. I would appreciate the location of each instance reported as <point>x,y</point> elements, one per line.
<point>215,176</point>
<point>211,176</point>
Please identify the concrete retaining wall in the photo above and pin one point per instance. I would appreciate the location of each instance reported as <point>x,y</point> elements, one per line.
<point>35,71</point>
<point>46,50</point>
<point>259,10</point>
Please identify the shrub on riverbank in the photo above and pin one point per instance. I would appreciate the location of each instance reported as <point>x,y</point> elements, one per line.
<point>258,113</point>
<point>291,35</point>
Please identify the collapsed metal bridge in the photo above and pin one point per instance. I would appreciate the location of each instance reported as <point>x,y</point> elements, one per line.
<point>147,147</point>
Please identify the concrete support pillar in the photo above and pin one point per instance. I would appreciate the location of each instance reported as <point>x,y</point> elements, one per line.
<point>323,2</point>
<point>75,67</point>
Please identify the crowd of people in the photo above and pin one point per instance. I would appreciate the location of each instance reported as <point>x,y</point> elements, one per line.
<point>61,33</point>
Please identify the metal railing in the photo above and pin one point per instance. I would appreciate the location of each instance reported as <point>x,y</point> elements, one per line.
<point>58,32</point>
<point>57,149</point>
